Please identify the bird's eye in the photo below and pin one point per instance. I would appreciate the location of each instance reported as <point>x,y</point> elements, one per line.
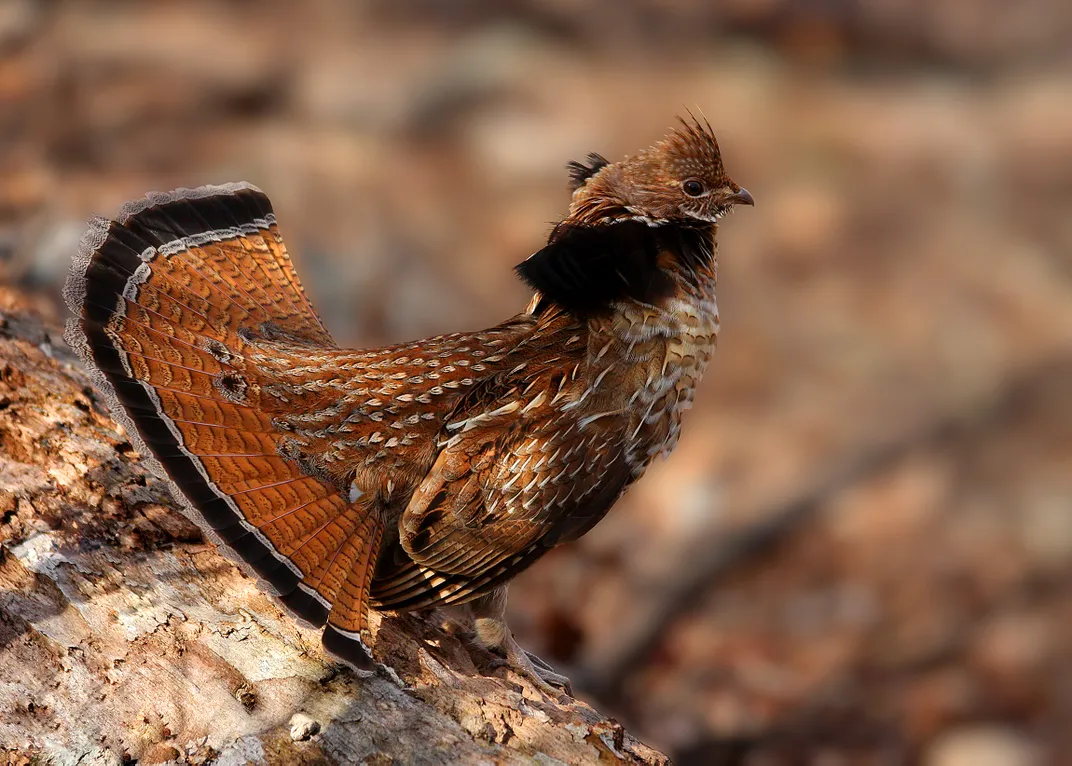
<point>692,187</point>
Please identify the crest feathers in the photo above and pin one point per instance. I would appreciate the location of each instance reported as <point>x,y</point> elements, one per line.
<point>579,173</point>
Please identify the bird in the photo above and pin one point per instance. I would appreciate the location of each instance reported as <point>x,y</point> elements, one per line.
<point>422,475</point>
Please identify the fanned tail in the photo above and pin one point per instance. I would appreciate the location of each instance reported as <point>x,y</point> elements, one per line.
<point>172,302</point>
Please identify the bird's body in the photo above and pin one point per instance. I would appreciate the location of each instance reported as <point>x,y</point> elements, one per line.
<point>427,473</point>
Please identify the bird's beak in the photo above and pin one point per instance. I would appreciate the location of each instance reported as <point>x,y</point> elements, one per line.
<point>742,197</point>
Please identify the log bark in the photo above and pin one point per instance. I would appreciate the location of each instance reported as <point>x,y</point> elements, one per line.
<point>124,636</point>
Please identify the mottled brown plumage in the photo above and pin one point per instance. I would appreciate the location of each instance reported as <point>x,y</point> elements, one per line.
<point>428,473</point>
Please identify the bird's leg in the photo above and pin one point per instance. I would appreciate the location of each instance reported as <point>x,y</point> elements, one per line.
<point>489,622</point>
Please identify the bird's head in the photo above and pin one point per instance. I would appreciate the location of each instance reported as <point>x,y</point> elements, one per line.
<point>637,228</point>
<point>678,180</point>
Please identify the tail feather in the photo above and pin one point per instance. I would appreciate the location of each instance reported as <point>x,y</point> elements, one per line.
<point>347,622</point>
<point>298,522</point>
<point>165,298</point>
<point>110,264</point>
<point>194,411</point>
<point>258,277</point>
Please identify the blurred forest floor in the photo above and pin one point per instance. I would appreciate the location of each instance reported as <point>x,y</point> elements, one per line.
<point>861,552</point>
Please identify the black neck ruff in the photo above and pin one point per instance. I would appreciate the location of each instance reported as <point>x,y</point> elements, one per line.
<point>586,269</point>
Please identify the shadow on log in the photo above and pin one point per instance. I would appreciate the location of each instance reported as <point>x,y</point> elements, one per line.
<point>125,637</point>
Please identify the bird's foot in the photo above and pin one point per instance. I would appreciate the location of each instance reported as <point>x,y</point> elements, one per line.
<point>492,632</point>
<point>538,672</point>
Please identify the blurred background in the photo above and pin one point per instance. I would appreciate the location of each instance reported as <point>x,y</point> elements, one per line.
<point>861,552</point>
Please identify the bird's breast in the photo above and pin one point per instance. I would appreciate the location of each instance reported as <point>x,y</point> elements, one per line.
<point>667,352</point>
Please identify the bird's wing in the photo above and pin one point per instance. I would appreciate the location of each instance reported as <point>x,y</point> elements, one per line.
<point>517,475</point>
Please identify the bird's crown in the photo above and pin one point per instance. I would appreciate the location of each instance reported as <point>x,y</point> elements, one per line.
<point>680,179</point>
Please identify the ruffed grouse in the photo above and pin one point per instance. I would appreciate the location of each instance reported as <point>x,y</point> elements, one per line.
<point>428,473</point>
